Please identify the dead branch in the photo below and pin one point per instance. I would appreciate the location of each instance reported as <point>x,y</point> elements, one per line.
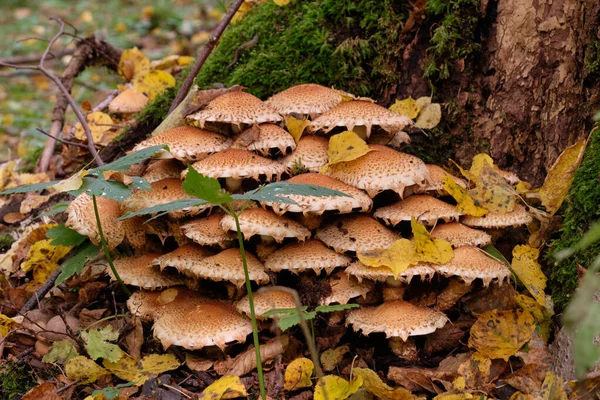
<point>42,291</point>
<point>204,53</point>
<point>244,46</point>
<point>43,132</point>
<point>35,57</point>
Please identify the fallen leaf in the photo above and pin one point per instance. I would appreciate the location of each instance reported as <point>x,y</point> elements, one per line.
<point>282,3</point>
<point>492,192</point>
<point>398,257</point>
<point>131,370</point>
<point>521,396</point>
<point>156,364</point>
<point>476,370</point>
<point>6,324</point>
<point>42,253</point>
<point>43,391</point>
<point>298,373</point>
<point>100,124</point>
<point>227,387</point>
<point>61,352</point>
<point>466,205</point>
<point>72,183</point>
<point>196,363</point>
<point>428,250</point>
<point>153,83</point>
<point>331,358</point>
<point>331,387</point>
<point>408,107</point>
<point>32,202</point>
<point>501,333</point>
<point>296,127</point>
<point>553,388</point>
<point>13,217</point>
<point>345,147</point>
<point>525,266</point>
<point>373,383</point>
<point>542,315</point>
<point>83,368</point>
<point>133,62</point>
<point>246,362</point>
<point>424,101</point>
<point>97,343</point>
<point>429,117</point>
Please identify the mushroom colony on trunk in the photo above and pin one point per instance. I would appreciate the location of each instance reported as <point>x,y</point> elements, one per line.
<point>188,269</point>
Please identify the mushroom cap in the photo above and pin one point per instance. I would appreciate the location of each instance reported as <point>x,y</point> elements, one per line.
<point>194,322</point>
<point>458,235</point>
<point>188,143</point>
<point>162,192</point>
<point>357,232</point>
<point>183,258</point>
<point>139,271</point>
<point>311,151</point>
<point>257,221</point>
<point>312,254</point>
<point>266,300</point>
<point>381,274</point>
<point>396,319</point>
<point>237,108</point>
<point>127,102</point>
<point>238,164</point>
<point>82,218</point>
<point>345,288</point>
<point>270,136</point>
<point>360,113</point>
<point>470,263</point>
<point>436,184</point>
<point>263,250</point>
<point>309,99</point>
<point>382,169</point>
<point>144,304</point>
<point>207,231</point>
<point>227,266</point>
<point>425,209</point>
<point>318,205</point>
<point>163,169</point>
<point>518,216</point>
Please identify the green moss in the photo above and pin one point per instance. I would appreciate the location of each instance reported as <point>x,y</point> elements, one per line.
<point>580,210</point>
<point>15,380</point>
<point>453,38</point>
<point>341,43</point>
<point>592,58</point>
<point>29,160</point>
<point>6,240</point>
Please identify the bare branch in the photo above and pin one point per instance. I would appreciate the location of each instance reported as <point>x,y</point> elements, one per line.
<point>35,57</point>
<point>43,132</point>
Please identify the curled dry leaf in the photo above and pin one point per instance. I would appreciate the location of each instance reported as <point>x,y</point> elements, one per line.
<point>373,383</point>
<point>43,391</point>
<point>298,373</point>
<point>246,361</point>
<point>296,127</point>
<point>331,358</point>
<point>466,205</point>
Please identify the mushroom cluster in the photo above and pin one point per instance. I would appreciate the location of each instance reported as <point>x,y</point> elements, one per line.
<point>187,285</point>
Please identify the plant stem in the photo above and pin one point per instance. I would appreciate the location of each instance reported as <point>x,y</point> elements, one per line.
<point>105,248</point>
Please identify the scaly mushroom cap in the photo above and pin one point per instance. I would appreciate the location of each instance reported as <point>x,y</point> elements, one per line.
<point>237,108</point>
<point>425,209</point>
<point>238,164</point>
<point>436,184</point>
<point>360,113</point>
<point>518,216</point>
<point>270,137</point>
<point>162,192</point>
<point>344,288</point>
<point>299,257</point>
<point>188,143</point>
<point>311,152</point>
<point>358,233</point>
<point>460,235</point>
<point>207,231</point>
<point>144,304</point>
<point>257,221</point>
<point>82,218</point>
<point>139,271</point>
<point>470,263</point>
<point>227,266</point>
<point>396,319</point>
<point>382,169</point>
<point>183,258</point>
<point>359,201</point>
<point>266,300</point>
<point>127,102</point>
<point>163,169</point>
<point>197,322</point>
<point>308,99</point>
<point>381,274</point>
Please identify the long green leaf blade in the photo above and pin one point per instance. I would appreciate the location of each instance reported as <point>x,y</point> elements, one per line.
<point>29,188</point>
<point>123,163</point>
<point>176,205</point>
<point>205,188</point>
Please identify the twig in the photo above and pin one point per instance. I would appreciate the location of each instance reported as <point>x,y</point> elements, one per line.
<point>62,389</point>
<point>244,46</point>
<point>204,53</point>
<point>35,57</point>
<point>104,103</point>
<point>43,132</point>
<point>41,292</point>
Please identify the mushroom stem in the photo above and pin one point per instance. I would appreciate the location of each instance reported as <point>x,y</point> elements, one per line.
<point>406,350</point>
<point>236,129</point>
<point>267,240</point>
<point>233,185</point>
<point>311,220</point>
<point>452,293</point>
<point>394,289</point>
<point>361,131</point>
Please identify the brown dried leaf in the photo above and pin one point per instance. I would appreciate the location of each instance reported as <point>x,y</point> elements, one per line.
<point>446,338</point>
<point>415,379</point>
<point>452,293</point>
<point>135,339</point>
<point>246,362</point>
<point>331,358</point>
<point>526,380</point>
<point>43,391</point>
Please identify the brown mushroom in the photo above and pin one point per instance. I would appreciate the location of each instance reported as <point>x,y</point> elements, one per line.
<point>207,231</point>
<point>257,221</point>
<point>265,300</point>
<point>82,219</point>
<point>310,153</point>
<point>128,101</point>
<point>163,169</point>
<point>139,271</point>
<point>310,255</point>
<point>458,235</point>
<point>518,216</point>
<point>425,209</point>
<point>307,99</point>
<point>470,263</point>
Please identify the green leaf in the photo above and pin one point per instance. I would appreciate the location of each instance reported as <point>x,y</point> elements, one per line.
<point>123,163</point>
<point>205,188</point>
<point>60,352</point>
<point>495,253</point>
<point>288,321</point>
<point>64,236</point>
<point>56,209</point>
<point>586,352</point>
<point>276,191</point>
<point>75,264</point>
<point>29,188</point>
<point>97,343</point>
<point>111,393</point>
<point>336,307</point>
<point>283,311</point>
<point>102,188</point>
<point>162,209</point>
<point>139,183</point>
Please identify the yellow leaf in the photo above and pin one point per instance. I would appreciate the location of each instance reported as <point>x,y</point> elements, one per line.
<point>242,11</point>
<point>282,3</point>
<point>133,62</point>
<point>81,367</point>
<point>296,127</point>
<point>428,250</point>
<point>423,102</point>
<point>153,83</point>
<point>298,373</point>
<point>459,384</point>
<point>408,107</point>
<point>559,178</point>
<point>344,147</point>
<point>501,333</point>
<point>475,370</point>
<point>521,396</point>
<point>542,315</point>
<point>130,370</point>
<point>184,61</point>
<point>227,387</point>
<point>398,257</point>
<point>429,117</point>
<point>26,179</point>
<point>525,266</point>
<point>553,388</point>
<point>373,383</point>
<point>72,183</point>
<point>100,123</point>
<point>43,252</point>
<point>331,358</point>
<point>6,324</point>
<point>453,396</point>
<point>156,364</point>
<point>6,171</point>
<point>331,387</point>
<point>492,191</point>
<point>466,204</point>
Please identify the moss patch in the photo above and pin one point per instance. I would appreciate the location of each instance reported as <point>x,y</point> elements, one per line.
<point>592,58</point>
<point>6,240</point>
<point>580,210</point>
<point>15,380</point>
